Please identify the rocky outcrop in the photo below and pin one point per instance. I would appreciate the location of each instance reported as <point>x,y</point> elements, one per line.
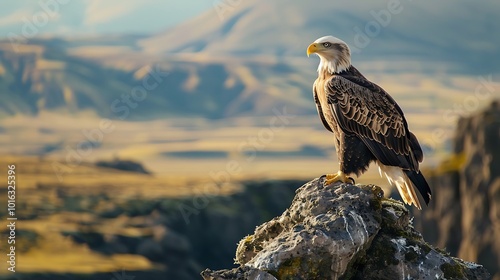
<point>342,231</point>
<point>464,215</point>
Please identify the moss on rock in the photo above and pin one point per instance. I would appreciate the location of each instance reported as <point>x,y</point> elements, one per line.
<point>452,271</point>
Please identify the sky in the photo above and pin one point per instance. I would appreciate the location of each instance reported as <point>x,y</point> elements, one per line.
<point>94,17</point>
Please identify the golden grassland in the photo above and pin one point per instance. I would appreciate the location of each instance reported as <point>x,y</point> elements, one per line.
<point>186,156</point>
<point>162,146</point>
<point>58,254</point>
<point>39,192</point>
<point>37,176</point>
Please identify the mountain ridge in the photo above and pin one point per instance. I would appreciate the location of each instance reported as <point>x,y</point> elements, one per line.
<point>250,60</point>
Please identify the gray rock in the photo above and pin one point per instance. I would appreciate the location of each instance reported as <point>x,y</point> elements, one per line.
<point>342,231</point>
<point>240,273</point>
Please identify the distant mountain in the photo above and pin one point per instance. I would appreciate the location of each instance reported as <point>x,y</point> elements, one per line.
<point>41,76</point>
<point>461,33</point>
<point>248,58</point>
<point>38,78</point>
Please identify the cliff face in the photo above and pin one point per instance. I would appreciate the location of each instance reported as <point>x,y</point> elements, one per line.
<point>342,231</point>
<point>464,216</point>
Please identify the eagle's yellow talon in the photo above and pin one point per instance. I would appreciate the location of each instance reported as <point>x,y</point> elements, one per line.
<point>340,176</point>
<point>352,180</point>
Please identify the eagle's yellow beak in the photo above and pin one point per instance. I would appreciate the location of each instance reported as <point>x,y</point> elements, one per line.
<point>313,48</point>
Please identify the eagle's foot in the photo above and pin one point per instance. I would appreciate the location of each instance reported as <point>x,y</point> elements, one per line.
<point>340,176</point>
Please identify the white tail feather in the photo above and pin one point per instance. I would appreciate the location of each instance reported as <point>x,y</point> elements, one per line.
<point>397,177</point>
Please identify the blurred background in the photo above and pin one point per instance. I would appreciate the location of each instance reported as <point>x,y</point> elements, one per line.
<point>150,136</point>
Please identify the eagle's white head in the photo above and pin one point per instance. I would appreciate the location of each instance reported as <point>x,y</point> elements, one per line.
<point>334,54</point>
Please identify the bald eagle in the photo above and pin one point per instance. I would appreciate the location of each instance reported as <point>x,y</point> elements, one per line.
<point>367,124</point>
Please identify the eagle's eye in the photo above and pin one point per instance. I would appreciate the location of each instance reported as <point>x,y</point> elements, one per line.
<point>327,45</point>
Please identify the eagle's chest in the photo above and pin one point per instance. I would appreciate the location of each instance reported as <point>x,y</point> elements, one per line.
<point>327,109</point>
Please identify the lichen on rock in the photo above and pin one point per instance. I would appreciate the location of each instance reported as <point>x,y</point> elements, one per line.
<point>342,231</point>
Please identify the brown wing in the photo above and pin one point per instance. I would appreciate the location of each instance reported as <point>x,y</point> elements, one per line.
<point>364,109</point>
